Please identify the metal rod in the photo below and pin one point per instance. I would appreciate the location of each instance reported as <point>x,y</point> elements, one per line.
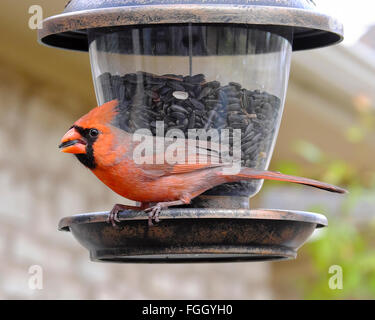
<point>190,50</point>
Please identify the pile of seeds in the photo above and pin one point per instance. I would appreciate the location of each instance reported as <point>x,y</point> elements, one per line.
<point>191,102</point>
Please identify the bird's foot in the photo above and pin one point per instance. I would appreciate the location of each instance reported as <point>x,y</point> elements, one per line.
<point>153,213</point>
<point>117,208</point>
<point>155,210</point>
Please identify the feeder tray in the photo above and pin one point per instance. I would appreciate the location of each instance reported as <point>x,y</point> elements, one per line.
<point>194,235</point>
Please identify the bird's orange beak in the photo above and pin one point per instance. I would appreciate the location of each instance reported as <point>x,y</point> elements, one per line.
<point>73,142</point>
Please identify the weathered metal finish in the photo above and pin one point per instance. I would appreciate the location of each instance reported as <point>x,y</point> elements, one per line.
<point>223,202</point>
<point>195,235</point>
<point>79,5</point>
<point>311,28</point>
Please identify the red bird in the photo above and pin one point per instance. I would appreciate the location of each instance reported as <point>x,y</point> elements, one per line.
<point>107,150</point>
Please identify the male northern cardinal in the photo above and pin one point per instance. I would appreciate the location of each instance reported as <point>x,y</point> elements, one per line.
<point>102,146</point>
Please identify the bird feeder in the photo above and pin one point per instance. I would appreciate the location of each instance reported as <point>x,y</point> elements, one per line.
<point>214,64</point>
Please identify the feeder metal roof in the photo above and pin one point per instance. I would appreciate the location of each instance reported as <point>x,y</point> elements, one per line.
<point>311,28</point>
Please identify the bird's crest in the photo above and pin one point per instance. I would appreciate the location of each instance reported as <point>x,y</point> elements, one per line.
<point>103,114</point>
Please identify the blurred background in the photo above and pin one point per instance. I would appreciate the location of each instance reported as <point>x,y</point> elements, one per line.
<point>327,133</point>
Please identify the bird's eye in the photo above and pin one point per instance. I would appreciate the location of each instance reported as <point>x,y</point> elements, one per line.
<point>93,133</point>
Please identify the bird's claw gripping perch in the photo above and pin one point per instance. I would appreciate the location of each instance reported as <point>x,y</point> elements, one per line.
<point>113,216</point>
<point>153,214</point>
<point>117,208</point>
<point>155,210</point>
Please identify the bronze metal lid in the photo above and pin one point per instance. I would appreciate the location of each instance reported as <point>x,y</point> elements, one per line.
<point>195,235</point>
<point>311,28</point>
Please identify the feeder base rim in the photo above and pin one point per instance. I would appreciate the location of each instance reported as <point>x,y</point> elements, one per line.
<point>223,254</point>
<point>199,213</point>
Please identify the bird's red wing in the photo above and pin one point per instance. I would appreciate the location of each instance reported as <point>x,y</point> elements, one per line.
<point>181,158</point>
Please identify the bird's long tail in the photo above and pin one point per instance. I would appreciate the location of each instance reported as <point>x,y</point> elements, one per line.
<point>248,173</point>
